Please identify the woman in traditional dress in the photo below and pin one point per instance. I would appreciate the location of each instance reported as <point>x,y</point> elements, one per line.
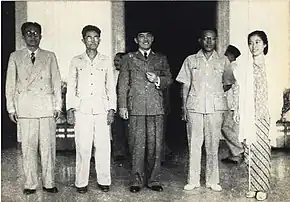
<point>255,116</point>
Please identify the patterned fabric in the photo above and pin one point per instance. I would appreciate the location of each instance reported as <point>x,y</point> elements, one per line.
<point>259,153</point>
<point>261,92</point>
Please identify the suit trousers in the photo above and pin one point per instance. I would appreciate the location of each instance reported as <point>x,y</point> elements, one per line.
<point>92,130</point>
<point>230,131</point>
<point>36,132</point>
<point>145,143</point>
<point>203,128</point>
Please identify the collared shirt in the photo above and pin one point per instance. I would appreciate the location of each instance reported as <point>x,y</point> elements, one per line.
<point>91,84</point>
<point>143,51</point>
<point>204,77</point>
<point>35,52</point>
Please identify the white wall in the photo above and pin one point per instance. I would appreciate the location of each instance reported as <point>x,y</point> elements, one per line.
<point>271,16</point>
<point>62,23</point>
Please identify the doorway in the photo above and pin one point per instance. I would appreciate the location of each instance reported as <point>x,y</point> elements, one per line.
<point>8,128</point>
<point>176,27</point>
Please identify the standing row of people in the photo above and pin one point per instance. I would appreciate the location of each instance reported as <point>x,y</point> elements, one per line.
<point>33,95</point>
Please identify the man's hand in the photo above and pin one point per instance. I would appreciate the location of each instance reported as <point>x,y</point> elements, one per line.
<point>13,117</point>
<point>56,114</point>
<point>184,114</point>
<point>71,116</point>
<point>236,116</point>
<point>110,117</point>
<point>123,112</point>
<point>152,77</point>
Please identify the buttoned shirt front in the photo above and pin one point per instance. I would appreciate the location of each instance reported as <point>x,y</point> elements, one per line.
<point>91,85</point>
<point>204,77</point>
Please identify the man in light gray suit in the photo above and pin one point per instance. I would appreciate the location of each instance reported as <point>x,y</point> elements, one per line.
<point>33,93</point>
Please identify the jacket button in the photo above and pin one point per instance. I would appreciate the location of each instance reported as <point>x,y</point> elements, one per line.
<point>92,84</point>
<point>26,79</point>
<point>41,77</point>
<point>40,88</point>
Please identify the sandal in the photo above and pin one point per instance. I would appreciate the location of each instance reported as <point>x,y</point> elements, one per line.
<point>261,196</point>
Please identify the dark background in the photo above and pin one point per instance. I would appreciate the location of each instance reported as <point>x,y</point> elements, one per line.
<point>176,27</point>
<point>8,128</point>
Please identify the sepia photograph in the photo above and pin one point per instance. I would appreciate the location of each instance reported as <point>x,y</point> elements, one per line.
<point>120,100</point>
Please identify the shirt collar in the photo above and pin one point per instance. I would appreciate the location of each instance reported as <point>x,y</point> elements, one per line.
<point>86,57</point>
<point>143,51</point>
<point>35,52</point>
<point>201,55</point>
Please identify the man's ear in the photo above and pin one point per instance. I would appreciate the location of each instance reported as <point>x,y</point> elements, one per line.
<point>199,40</point>
<point>83,40</point>
<point>136,41</point>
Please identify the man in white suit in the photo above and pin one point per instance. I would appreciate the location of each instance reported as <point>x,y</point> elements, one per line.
<point>33,93</point>
<point>91,96</point>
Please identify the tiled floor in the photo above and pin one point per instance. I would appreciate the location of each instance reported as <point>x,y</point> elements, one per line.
<point>233,181</point>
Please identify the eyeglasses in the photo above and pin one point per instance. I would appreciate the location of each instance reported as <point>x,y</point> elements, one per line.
<point>90,39</point>
<point>209,38</point>
<point>32,33</point>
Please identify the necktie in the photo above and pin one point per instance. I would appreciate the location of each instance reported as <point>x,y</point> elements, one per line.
<point>32,57</point>
<point>145,55</point>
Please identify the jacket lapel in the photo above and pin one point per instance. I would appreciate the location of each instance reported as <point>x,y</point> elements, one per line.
<point>38,66</point>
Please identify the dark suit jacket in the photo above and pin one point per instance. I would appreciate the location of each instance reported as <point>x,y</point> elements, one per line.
<point>135,92</point>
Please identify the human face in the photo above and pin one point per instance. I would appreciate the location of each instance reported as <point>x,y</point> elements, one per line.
<point>231,57</point>
<point>32,36</point>
<point>208,41</point>
<point>117,61</point>
<point>144,40</point>
<point>256,45</point>
<point>91,40</point>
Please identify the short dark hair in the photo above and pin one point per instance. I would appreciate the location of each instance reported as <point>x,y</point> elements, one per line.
<point>90,28</point>
<point>203,30</point>
<point>120,54</point>
<point>263,37</point>
<point>233,50</point>
<point>25,25</point>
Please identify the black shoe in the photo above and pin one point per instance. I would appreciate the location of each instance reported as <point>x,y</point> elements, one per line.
<point>82,190</point>
<point>135,189</point>
<point>104,188</point>
<point>50,190</point>
<point>29,191</point>
<point>156,188</point>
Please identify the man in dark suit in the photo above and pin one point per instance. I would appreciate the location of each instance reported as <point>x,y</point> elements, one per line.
<point>143,76</point>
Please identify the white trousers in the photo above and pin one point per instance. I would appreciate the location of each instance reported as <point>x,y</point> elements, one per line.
<point>92,130</point>
<point>204,128</point>
<point>36,132</point>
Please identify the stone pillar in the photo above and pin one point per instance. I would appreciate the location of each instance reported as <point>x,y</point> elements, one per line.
<point>118,27</point>
<point>20,18</point>
<point>223,24</point>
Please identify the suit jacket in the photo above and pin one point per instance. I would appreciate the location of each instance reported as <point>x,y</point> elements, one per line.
<point>135,92</point>
<point>33,90</point>
<point>91,85</point>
